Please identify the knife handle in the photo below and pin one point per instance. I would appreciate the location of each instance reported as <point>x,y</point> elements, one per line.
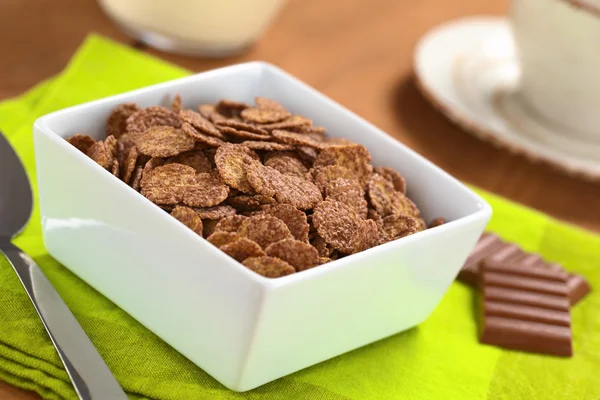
<point>89,373</point>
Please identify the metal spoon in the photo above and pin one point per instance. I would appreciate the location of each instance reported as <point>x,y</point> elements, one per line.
<point>90,376</point>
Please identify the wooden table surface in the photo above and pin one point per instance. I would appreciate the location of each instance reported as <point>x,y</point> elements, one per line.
<point>359,52</point>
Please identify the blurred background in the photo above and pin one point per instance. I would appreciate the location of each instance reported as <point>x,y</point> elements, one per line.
<point>358,52</point>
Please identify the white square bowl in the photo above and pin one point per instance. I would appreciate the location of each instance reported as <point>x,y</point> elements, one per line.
<point>243,329</point>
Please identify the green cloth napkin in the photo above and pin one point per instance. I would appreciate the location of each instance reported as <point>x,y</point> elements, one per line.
<point>440,359</point>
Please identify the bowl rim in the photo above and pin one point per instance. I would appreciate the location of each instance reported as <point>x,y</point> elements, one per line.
<point>42,124</point>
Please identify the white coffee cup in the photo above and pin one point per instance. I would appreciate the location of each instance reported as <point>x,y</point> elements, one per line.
<point>558,45</point>
<point>195,27</point>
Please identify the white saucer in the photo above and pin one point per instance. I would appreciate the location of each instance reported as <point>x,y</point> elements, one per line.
<point>469,70</point>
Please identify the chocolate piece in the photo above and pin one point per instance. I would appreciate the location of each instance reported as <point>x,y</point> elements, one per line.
<point>506,253</point>
<point>527,298</point>
<point>532,260</point>
<point>487,244</point>
<point>530,317</point>
<point>525,270</point>
<point>528,336</point>
<point>494,252</point>
<point>534,314</point>
<point>578,288</point>
<point>516,276</point>
<point>577,285</point>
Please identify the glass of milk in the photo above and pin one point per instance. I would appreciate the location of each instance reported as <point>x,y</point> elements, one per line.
<point>209,28</point>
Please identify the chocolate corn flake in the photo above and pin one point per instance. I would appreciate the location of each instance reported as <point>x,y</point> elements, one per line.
<point>146,118</point>
<point>319,138</point>
<point>263,115</point>
<point>298,192</point>
<point>319,130</point>
<point>268,104</point>
<point>153,163</point>
<point>307,153</point>
<point>188,217</point>
<point>230,108</point>
<point>294,123</point>
<point>242,249</point>
<point>209,226</point>
<point>243,135</point>
<point>374,215</point>
<point>209,112</point>
<point>81,142</point>
<point>252,213</point>
<point>393,176</point>
<point>193,158</point>
<point>333,141</point>
<point>324,260</point>
<point>267,146</point>
<point>367,236</point>
<point>264,230</point>
<point>288,153</point>
<point>407,207</point>
<point>287,165</point>
<point>382,196</point>
<point>249,202</point>
<point>234,192</point>
<point>349,192</point>
<point>115,168</point>
<point>220,238</point>
<point>230,160</point>
<point>163,141</point>
<point>137,178</point>
<point>216,212</point>
<point>129,163</point>
<point>230,224</point>
<point>167,184</point>
<point>299,139</point>
<point>312,228</point>
<point>200,123</point>
<point>116,124</point>
<point>337,223</point>
<point>242,126</point>
<point>286,189</point>
<point>321,176</point>
<point>387,201</point>
<point>437,222</point>
<point>321,246</point>
<point>176,105</point>
<point>125,142</point>
<point>397,226</point>
<point>208,190</point>
<point>99,154</point>
<point>200,137</point>
<point>299,255</point>
<point>270,267</point>
<point>263,180</point>
<point>354,157</point>
<point>293,218</point>
<point>111,149</point>
<point>210,155</point>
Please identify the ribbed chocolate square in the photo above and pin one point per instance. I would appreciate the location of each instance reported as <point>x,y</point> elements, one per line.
<point>493,251</point>
<point>525,308</point>
<point>487,244</point>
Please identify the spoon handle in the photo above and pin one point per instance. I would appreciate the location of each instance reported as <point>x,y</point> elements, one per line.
<point>90,375</point>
